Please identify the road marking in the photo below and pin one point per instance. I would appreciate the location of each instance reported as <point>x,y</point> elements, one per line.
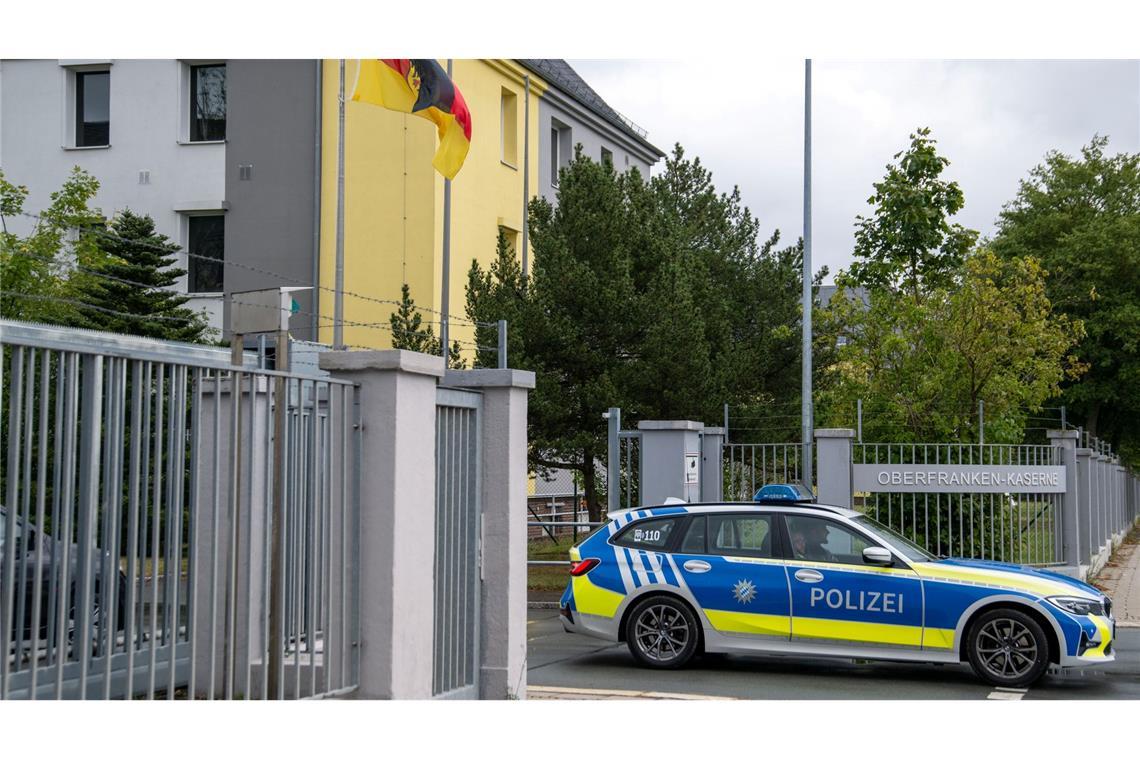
<point>1002,692</point>
<point>569,692</point>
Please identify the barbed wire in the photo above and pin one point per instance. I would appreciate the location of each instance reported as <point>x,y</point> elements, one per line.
<point>73,302</point>
<point>174,248</point>
<point>135,283</point>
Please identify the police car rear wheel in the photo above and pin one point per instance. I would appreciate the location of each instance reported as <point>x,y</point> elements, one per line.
<point>662,632</point>
<point>1008,648</point>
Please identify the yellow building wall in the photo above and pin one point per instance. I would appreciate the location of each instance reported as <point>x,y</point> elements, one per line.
<point>394,201</point>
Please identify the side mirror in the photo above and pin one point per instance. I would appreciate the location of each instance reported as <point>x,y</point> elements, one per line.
<point>877,555</point>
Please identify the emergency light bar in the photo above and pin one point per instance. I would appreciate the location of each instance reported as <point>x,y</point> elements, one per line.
<point>784,493</point>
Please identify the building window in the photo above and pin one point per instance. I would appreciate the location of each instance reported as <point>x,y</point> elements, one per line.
<point>207,241</point>
<point>512,237</point>
<point>208,102</point>
<point>554,165</point>
<point>92,108</point>
<point>607,157</point>
<point>561,149</point>
<point>509,128</point>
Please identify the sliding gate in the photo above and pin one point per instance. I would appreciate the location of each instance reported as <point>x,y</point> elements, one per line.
<point>455,661</point>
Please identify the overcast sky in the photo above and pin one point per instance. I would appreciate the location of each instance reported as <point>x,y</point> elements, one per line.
<point>994,120</point>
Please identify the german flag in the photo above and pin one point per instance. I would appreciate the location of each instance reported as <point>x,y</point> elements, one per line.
<point>420,86</point>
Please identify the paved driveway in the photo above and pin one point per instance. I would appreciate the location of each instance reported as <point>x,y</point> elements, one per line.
<point>582,667</point>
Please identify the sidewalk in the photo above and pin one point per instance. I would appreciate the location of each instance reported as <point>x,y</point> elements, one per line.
<point>1120,579</point>
<point>564,692</point>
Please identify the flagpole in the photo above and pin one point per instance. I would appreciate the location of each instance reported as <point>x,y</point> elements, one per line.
<point>338,303</point>
<point>526,168</point>
<point>805,388</point>
<point>445,296</point>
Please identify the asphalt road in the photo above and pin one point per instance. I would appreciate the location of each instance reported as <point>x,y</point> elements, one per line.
<point>560,659</point>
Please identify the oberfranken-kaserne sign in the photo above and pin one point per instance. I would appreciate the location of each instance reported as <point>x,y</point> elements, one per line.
<point>958,478</point>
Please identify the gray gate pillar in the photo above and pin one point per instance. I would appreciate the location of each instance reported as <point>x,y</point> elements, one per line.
<point>712,464</point>
<point>1066,441</point>
<point>670,460</point>
<point>833,466</point>
<point>397,516</point>
<point>1119,525</point>
<point>502,611</point>
<point>1085,522</point>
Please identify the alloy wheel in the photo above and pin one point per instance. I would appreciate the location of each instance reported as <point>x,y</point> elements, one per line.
<point>1006,648</point>
<point>661,632</point>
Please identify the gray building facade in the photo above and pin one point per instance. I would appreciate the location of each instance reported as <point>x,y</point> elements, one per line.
<point>570,114</point>
<point>271,181</point>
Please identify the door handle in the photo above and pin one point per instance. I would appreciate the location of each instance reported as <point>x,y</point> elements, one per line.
<point>697,566</point>
<point>809,576</point>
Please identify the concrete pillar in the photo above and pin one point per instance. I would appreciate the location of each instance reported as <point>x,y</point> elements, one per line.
<point>1066,440</point>
<point>670,460</point>
<point>712,464</point>
<point>397,516</point>
<point>1085,522</point>
<point>833,466</point>
<point>1104,533</point>
<point>1119,524</point>
<point>502,611</point>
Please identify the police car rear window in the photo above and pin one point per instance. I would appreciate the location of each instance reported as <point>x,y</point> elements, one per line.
<point>647,534</point>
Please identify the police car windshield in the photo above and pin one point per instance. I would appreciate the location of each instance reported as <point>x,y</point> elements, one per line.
<point>908,548</point>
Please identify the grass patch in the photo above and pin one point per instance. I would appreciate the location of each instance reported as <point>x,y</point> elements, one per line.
<point>548,578</point>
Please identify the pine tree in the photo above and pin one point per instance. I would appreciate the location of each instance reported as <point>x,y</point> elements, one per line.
<point>407,334</point>
<point>138,256</point>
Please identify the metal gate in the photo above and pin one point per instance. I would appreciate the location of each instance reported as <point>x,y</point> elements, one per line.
<point>179,527</point>
<point>750,466</point>
<point>458,521</point>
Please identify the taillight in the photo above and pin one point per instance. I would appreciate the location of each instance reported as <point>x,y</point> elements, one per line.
<point>583,566</point>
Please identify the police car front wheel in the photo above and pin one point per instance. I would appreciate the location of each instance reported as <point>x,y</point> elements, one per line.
<point>1008,648</point>
<point>662,632</point>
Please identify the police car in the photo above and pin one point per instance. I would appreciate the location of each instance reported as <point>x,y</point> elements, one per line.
<point>784,575</point>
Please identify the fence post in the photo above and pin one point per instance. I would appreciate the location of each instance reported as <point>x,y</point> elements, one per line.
<point>1085,522</point>
<point>502,611</point>
<point>833,475</point>
<point>1066,441</point>
<point>1118,524</point>
<point>613,460</point>
<point>397,516</point>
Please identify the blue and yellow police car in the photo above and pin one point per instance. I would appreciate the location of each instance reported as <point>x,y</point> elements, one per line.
<point>785,575</point>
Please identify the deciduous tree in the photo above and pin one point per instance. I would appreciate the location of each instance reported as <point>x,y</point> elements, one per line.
<point>1080,216</point>
<point>909,240</point>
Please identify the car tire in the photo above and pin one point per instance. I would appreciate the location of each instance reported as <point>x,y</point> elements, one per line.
<point>1007,647</point>
<point>662,632</point>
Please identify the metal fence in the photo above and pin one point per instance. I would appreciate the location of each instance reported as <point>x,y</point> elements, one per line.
<point>173,527</point>
<point>748,466</point>
<point>455,662</point>
<point>1010,527</point>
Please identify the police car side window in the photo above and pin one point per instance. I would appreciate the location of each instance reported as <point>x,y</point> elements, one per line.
<point>818,540</point>
<point>694,542</point>
<point>647,534</point>
<point>741,535</point>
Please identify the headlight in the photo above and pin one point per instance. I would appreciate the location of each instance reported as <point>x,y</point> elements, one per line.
<point>1078,605</point>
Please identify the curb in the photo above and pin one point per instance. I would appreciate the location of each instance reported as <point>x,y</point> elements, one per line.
<point>541,605</point>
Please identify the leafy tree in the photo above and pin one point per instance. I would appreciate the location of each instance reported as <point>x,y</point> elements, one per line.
<point>134,296</point>
<point>921,367</point>
<point>1080,216</point>
<point>407,334</point>
<point>38,275</point>
<point>909,240</point>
